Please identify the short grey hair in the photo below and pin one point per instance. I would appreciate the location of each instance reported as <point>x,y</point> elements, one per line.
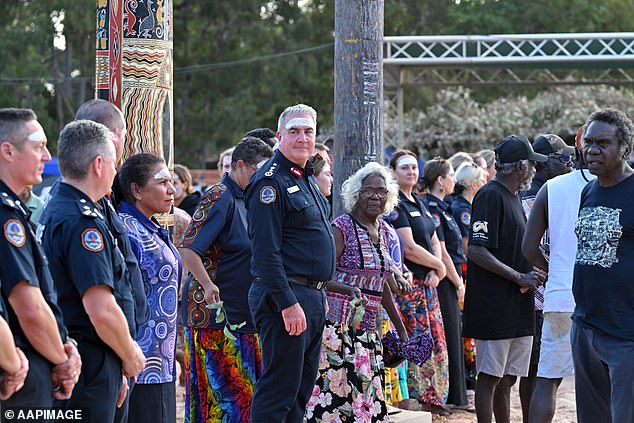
<point>80,142</point>
<point>12,123</point>
<point>508,168</point>
<point>352,186</point>
<point>298,109</point>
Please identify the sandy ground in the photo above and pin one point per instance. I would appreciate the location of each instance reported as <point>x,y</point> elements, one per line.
<point>565,407</point>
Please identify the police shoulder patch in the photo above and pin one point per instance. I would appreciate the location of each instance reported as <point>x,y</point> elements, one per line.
<point>268,195</point>
<point>436,219</point>
<point>14,232</point>
<point>465,218</point>
<point>92,240</point>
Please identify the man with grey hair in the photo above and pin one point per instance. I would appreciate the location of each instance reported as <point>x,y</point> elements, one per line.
<point>498,310</point>
<point>27,290</point>
<point>89,269</point>
<point>293,257</point>
<point>109,115</point>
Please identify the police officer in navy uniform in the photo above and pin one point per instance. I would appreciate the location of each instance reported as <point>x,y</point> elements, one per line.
<point>293,257</point>
<point>109,115</point>
<point>27,288</point>
<point>89,269</point>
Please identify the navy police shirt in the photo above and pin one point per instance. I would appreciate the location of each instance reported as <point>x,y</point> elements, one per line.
<point>82,253</point>
<point>446,228</point>
<point>414,215</point>
<point>288,227</point>
<point>461,212</point>
<point>133,276</point>
<point>23,260</point>
<point>218,234</point>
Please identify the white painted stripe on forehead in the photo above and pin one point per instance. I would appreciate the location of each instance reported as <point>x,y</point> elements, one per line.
<point>163,174</point>
<point>300,122</point>
<point>36,136</point>
<point>406,160</point>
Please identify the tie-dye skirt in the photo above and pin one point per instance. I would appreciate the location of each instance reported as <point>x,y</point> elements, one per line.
<point>220,375</point>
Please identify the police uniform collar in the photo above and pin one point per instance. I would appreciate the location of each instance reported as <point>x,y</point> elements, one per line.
<point>441,204</point>
<point>289,165</point>
<point>11,199</point>
<point>462,200</point>
<point>150,225</point>
<point>232,185</point>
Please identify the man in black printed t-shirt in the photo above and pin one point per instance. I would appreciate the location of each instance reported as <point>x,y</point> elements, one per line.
<point>602,333</point>
<point>498,310</point>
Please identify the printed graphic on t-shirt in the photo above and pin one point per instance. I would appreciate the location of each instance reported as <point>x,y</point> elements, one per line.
<point>480,230</point>
<point>598,233</point>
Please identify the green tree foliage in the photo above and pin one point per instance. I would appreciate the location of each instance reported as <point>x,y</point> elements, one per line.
<point>458,122</point>
<point>249,77</point>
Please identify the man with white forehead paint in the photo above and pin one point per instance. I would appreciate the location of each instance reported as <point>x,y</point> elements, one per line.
<point>293,257</point>
<point>28,292</point>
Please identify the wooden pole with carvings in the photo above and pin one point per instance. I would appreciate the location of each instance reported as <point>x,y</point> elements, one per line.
<point>134,70</point>
<point>358,89</point>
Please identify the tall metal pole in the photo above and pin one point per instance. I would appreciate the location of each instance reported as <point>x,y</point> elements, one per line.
<point>358,89</point>
<point>134,70</point>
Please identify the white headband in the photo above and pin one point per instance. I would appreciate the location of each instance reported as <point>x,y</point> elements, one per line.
<point>406,160</point>
<point>163,174</point>
<point>300,122</point>
<point>36,136</point>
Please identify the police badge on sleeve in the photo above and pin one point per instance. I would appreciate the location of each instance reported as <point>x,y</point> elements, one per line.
<point>14,232</point>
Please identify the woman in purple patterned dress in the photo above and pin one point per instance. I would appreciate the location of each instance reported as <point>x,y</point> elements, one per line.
<point>350,381</point>
<point>147,189</point>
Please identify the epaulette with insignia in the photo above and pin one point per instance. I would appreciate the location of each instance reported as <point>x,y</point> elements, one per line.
<point>89,210</point>
<point>272,170</point>
<point>6,199</point>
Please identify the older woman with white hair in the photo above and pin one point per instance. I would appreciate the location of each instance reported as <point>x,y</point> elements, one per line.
<point>351,369</point>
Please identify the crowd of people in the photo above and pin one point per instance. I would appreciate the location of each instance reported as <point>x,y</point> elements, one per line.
<point>506,254</point>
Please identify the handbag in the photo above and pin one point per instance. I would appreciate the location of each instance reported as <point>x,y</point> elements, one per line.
<point>416,349</point>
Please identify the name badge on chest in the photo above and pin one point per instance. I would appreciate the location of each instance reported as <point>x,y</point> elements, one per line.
<point>292,189</point>
<point>415,213</point>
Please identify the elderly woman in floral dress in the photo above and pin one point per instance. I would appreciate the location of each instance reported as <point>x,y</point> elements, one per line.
<point>350,381</point>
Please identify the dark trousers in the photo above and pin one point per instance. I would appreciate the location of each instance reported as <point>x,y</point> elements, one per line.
<point>290,363</point>
<point>99,383</point>
<point>604,376</point>
<point>38,388</point>
<point>121,413</point>
<point>153,403</point>
<point>450,310</point>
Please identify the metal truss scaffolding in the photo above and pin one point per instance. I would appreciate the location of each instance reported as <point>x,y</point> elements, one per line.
<point>494,60</point>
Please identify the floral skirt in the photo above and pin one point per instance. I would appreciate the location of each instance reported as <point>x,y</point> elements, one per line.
<point>220,375</point>
<point>421,314</point>
<point>349,385</point>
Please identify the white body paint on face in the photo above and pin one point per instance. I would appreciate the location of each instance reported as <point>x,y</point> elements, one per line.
<point>406,160</point>
<point>295,122</point>
<point>163,174</point>
<point>36,136</point>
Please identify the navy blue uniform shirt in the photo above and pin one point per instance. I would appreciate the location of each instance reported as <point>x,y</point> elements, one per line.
<point>461,212</point>
<point>23,260</point>
<point>218,234</point>
<point>288,227</point>
<point>82,253</point>
<point>414,215</point>
<point>446,228</point>
<point>133,276</point>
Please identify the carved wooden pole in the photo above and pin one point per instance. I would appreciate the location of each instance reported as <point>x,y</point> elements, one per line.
<point>134,70</point>
<point>358,89</point>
